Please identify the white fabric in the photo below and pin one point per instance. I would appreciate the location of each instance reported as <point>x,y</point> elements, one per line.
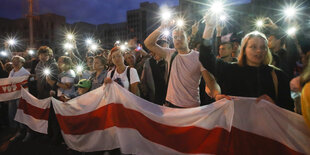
<point>134,77</point>
<point>185,74</point>
<point>10,87</point>
<point>266,122</point>
<point>22,72</point>
<point>33,123</point>
<point>67,79</point>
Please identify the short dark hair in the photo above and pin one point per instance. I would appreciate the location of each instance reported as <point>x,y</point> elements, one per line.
<point>45,49</point>
<point>102,59</point>
<point>279,35</point>
<point>227,43</point>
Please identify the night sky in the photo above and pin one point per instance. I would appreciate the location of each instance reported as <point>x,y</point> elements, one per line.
<point>91,11</point>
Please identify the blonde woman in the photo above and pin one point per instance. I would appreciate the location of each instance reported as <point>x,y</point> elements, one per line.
<point>124,75</point>
<point>252,75</point>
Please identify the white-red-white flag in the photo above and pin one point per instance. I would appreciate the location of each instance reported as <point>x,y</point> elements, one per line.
<point>10,88</point>
<point>111,117</point>
<point>33,112</point>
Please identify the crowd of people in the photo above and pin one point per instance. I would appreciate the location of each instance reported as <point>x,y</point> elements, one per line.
<point>191,71</point>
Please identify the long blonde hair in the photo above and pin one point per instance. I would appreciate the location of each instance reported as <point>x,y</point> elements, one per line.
<point>244,42</point>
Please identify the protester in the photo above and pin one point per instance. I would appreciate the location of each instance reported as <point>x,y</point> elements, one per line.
<point>125,76</point>
<point>305,95</point>
<point>100,72</point>
<point>184,71</point>
<point>283,59</point>
<point>252,76</point>
<point>46,62</point>
<point>83,86</point>
<point>66,78</point>
<point>154,77</point>
<point>17,71</point>
<point>225,52</point>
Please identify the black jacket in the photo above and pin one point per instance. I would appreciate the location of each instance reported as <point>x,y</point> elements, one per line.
<point>247,81</point>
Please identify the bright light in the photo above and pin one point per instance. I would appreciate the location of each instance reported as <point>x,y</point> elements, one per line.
<point>166,33</point>
<point>217,7</point>
<point>290,12</point>
<point>259,23</point>
<point>165,14</point>
<point>291,31</point>
<point>223,18</point>
<point>126,43</point>
<point>94,47</point>
<point>79,68</point>
<point>180,23</point>
<point>4,53</point>
<point>68,46</point>
<point>118,42</point>
<point>11,42</point>
<point>66,53</point>
<point>46,71</point>
<point>123,47</point>
<point>30,52</point>
<point>89,41</point>
<point>256,33</point>
<point>70,36</point>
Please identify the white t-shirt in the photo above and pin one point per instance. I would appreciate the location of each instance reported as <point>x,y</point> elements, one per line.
<point>67,77</point>
<point>22,72</point>
<point>183,86</point>
<point>134,77</point>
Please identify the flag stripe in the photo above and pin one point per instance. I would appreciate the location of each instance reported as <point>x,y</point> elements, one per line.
<point>189,139</point>
<point>38,125</point>
<point>243,142</point>
<point>33,111</point>
<point>117,115</point>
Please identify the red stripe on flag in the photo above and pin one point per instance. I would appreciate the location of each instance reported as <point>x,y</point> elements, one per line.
<point>18,87</point>
<point>243,142</point>
<point>33,111</point>
<point>189,139</point>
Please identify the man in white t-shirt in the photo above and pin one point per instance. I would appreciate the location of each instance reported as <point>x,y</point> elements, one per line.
<point>185,72</point>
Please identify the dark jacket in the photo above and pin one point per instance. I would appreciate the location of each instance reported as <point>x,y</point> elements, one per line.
<point>247,81</point>
<point>43,87</point>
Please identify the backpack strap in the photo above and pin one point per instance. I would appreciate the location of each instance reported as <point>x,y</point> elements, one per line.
<point>275,83</point>
<point>171,60</point>
<point>112,73</point>
<point>128,75</point>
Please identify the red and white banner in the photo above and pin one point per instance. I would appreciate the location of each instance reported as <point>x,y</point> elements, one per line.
<point>10,88</point>
<point>111,117</point>
<point>33,112</point>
